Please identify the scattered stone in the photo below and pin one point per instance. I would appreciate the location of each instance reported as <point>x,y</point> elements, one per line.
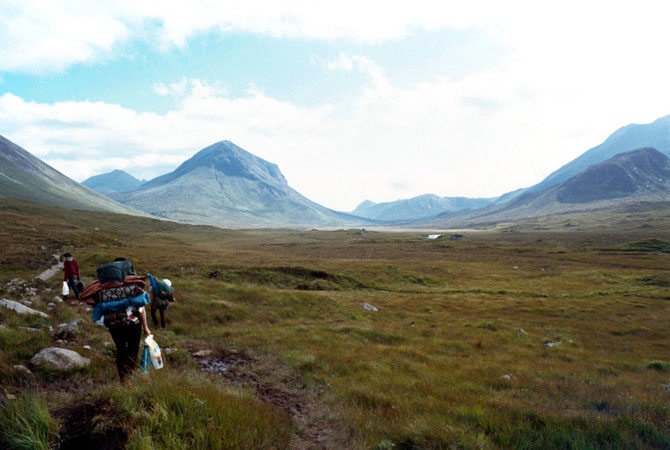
<point>412,324</point>
<point>19,308</point>
<point>213,275</point>
<point>67,330</point>
<point>543,268</point>
<point>553,344</point>
<point>369,307</point>
<point>168,350</point>
<point>433,236</point>
<point>87,347</point>
<point>30,329</point>
<point>456,237</point>
<point>58,299</point>
<point>88,309</point>
<point>51,305</point>
<point>27,302</point>
<point>515,267</point>
<point>202,353</point>
<point>60,358</point>
<point>507,377</point>
<point>22,368</point>
<point>60,343</point>
<point>96,229</point>
<point>522,331</point>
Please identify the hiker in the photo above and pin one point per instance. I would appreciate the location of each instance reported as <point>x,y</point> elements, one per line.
<point>119,299</point>
<point>71,273</point>
<point>162,294</point>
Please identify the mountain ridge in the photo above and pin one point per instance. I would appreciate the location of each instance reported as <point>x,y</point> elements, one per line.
<point>225,185</point>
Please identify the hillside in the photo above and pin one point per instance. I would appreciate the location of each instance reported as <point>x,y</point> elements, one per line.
<point>114,181</point>
<point>225,185</point>
<point>26,177</point>
<point>416,208</point>
<point>641,175</point>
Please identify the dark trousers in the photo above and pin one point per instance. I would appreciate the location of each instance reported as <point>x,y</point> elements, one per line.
<point>155,320</point>
<point>127,340</point>
<point>72,282</point>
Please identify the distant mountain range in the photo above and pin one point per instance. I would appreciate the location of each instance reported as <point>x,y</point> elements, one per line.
<point>641,175</point>
<point>421,207</point>
<point>26,177</point>
<point>225,185</point>
<point>114,181</point>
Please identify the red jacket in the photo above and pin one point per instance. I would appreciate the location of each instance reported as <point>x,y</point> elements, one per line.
<point>71,269</point>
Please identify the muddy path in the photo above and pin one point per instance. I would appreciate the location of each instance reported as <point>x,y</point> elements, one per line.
<point>317,426</point>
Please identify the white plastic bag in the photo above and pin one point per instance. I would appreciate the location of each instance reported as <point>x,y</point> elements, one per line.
<point>154,352</point>
<point>66,288</point>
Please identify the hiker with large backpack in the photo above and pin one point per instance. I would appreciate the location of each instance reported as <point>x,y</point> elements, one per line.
<point>162,294</point>
<point>119,299</point>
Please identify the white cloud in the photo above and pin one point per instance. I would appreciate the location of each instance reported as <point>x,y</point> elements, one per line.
<point>575,72</point>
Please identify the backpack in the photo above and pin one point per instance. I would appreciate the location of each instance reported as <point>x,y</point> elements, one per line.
<point>163,292</point>
<point>115,271</point>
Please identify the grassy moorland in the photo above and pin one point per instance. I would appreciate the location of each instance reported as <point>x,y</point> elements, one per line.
<point>543,334</point>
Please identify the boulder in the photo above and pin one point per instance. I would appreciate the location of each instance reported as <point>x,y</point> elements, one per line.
<point>369,307</point>
<point>67,330</point>
<point>60,358</point>
<point>19,308</point>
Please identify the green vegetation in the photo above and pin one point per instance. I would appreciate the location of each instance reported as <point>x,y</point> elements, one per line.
<point>25,423</point>
<point>532,339</point>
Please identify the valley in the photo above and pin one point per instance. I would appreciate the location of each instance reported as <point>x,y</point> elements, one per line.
<point>533,334</point>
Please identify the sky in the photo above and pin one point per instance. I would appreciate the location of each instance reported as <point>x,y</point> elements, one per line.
<point>353,100</point>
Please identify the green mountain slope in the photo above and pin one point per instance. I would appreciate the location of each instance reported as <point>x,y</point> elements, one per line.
<point>26,177</point>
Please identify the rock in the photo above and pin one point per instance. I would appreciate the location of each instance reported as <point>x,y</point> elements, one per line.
<point>666,387</point>
<point>26,302</point>
<point>553,344</point>
<point>433,236</point>
<point>456,237</point>
<point>369,307</point>
<point>202,353</point>
<point>19,308</point>
<point>507,377</point>
<point>22,368</point>
<point>60,343</point>
<point>51,305</point>
<point>522,331</point>
<point>96,229</point>
<point>31,329</point>
<point>60,358</point>
<point>87,347</point>
<point>169,350</point>
<point>58,299</point>
<point>67,330</point>
<point>515,267</point>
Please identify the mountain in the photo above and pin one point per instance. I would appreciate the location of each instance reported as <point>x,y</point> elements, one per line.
<point>641,175</point>
<point>26,177</point>
<point>655,135</point>
<point>420,207</point>
<point>114,181</point>
<point>225,185</point>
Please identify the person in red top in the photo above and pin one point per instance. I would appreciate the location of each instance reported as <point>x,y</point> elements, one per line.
<point>71,272</point>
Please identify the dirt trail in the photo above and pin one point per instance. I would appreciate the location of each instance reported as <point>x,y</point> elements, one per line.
<point>303,405</point>
<point>51,271</point>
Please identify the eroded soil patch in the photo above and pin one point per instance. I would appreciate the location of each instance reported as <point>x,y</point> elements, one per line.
<point>80,427</point>
<point>317,425</point>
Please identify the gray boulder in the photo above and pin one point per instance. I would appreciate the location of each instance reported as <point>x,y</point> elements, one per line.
<point>67,330</point>
<point>19,308</point>
<point>60,358</point>
<point>369,307</point>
